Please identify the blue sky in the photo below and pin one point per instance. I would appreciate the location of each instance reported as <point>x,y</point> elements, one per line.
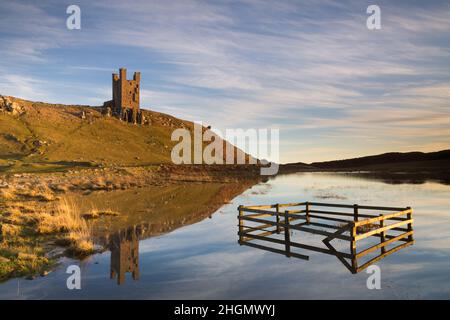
<point>310,68</point>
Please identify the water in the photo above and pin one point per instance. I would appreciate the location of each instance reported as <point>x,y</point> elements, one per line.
<point>204,261</point>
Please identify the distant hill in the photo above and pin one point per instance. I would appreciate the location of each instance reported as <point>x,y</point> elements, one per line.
<point>395,160</point>
<point>295,167</point>
<point>37,136</point>
<point>386,162</point>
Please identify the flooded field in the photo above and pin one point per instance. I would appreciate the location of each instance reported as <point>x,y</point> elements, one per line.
<point>159,252</point>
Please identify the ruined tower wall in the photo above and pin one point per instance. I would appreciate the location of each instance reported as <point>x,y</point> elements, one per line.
<point>116,94</point>
<point>126,95</point>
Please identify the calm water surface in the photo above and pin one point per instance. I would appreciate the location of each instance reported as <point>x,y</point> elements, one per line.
<point>204,261</point>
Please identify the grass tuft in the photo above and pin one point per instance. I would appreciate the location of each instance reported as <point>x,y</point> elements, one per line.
<point>7,194</point>
<point>68,220</point>
<point>96,213</point>
<point>41,192</point>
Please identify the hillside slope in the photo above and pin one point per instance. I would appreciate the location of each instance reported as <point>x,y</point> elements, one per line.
<point>36,136</point>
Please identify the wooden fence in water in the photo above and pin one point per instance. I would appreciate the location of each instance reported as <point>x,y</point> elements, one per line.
<point>273,224</point>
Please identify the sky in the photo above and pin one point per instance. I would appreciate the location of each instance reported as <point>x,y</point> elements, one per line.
<point>311,69</point>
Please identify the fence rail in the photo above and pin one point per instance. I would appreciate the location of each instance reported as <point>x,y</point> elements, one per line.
<point>273,224</point>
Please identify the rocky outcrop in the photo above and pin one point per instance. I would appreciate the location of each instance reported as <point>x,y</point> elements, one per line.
<point>107,112</point>
<point>107,108</point>
<point>8,105</point>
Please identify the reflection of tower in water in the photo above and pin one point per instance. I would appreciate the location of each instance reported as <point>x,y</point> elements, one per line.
<point>124,246</point>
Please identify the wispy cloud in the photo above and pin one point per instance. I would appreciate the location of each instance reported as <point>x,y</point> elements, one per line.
<point>310,67</point>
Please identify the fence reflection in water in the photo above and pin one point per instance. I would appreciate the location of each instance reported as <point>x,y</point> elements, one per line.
<point>273,224</point>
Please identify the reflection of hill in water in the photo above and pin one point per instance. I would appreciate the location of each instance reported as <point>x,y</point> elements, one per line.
<point>152,211</point>
<point>162,209</point>
<point>385,177</point>
<point>406,177</point>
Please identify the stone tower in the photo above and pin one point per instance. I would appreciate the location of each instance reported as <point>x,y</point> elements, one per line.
<point>125,96</point>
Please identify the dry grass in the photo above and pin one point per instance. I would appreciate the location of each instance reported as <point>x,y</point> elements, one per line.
<point>64,219</point>
<point>7,193</point>
<point>21,254</point>
<point>25,232</point>
<point>68,220</point>
<point>12,215</point>
<point>81,244</point>
<point>41,192</point>
<point>22,261</point>
<point>8,230</point>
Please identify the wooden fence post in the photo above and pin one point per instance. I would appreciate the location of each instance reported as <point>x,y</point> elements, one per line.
<point>355,213</point>
<point>241,225</point>
<point>353,241</point>
<point>409,216</point>
<point>308,218</point>
<point>287,236</point>
<point>278,217</point>
<point>382,235</point>
<point>353,248</point>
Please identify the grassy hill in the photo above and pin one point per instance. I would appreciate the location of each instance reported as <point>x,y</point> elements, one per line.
<point>36,136</point>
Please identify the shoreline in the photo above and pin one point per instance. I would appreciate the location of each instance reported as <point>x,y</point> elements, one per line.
<point>30,202</point>
<point>41,213</point>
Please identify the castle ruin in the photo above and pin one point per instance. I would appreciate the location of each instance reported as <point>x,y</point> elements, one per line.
<point>125,97</point>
